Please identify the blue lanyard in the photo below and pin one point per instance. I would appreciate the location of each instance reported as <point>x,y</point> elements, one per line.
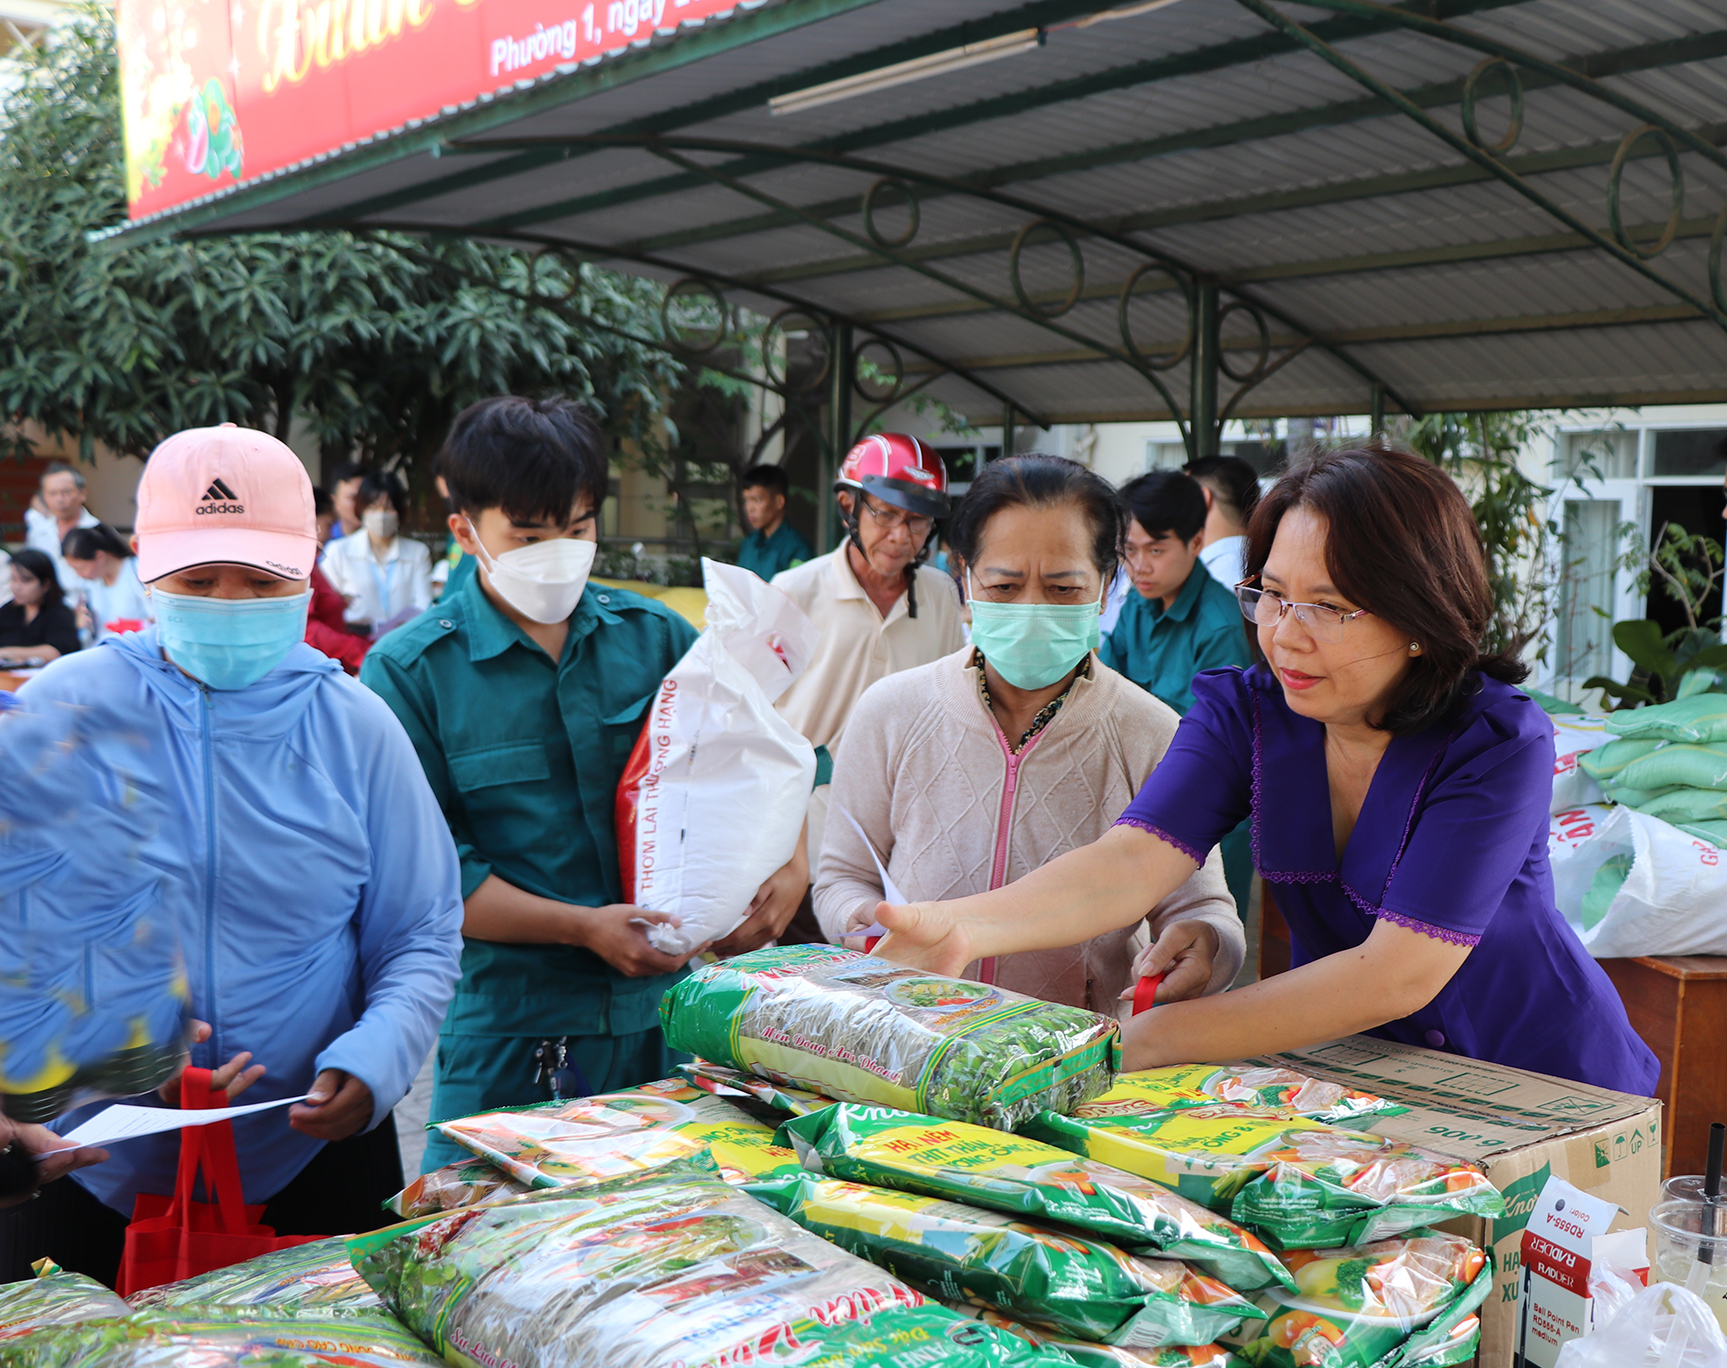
<point>382,583</point>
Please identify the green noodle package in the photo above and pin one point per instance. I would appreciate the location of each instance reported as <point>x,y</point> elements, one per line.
<point>663,1267</point>
<point>1010,1173</point>
<point>1297,1182</point>
<point>861,1029</point>
<point>467,1182</point>
<point>569,1144</point>
<point>1404,1303</point>
<point>54,1297</point>
<point>1061,1279</point>
<point>255,1339</point>
<point>313,1279</point>
<point>724,1082</point>
<point>1250,1085</point>
<point>927,1336</point>
<point>1090,1354</point>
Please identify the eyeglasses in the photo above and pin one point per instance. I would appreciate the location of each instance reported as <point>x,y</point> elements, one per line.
<point>1324,623</point>
<point>889,518</point>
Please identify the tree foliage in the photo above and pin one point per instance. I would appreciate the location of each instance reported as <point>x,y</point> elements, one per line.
<point>374,341</point>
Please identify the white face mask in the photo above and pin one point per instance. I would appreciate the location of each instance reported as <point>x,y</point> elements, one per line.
<point>381,522</point>
<point>543,581</point>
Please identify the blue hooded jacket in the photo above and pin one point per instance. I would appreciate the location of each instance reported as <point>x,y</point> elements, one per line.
<point>313,879</point>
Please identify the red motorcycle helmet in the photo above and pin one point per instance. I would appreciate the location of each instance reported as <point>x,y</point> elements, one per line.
<point>898,470</point>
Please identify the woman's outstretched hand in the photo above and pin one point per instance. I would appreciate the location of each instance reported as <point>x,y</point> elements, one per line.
<point>925,936</point>
<point>1183,955</point>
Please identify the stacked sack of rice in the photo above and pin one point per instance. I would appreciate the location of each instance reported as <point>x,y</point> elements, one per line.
<point>1670,762</point>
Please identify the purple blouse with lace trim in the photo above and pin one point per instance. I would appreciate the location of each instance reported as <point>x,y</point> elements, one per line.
<point>1451,842</point>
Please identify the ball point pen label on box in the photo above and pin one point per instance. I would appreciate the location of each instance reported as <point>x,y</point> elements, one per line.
<point>1565,1239</point>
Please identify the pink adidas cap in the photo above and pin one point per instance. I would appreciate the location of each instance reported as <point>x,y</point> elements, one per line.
<point>225,495</point>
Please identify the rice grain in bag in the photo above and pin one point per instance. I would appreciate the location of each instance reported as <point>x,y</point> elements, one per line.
<point>1023,1177</point>
<point>666,1268</point>
<point>467,1182</point>
<point>1296,1182</point>
<point>1061,1279</point>
<point>313,1280</point>
<point>250,1339</point>
<point>862,1029</point>
<point>1388,1304</point>
<point>569,1144</point>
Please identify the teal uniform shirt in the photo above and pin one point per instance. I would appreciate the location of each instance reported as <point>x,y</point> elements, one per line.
<point>524,755</point>
<point>1162,651</point>
<point>767,556</point>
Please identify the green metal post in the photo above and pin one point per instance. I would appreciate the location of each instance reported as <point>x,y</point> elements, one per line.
<point>1378,410</point>
<point>840,377</point>
<point>1202,410</point>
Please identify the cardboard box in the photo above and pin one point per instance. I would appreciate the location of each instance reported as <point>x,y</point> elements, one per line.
<point>1521,1128</point>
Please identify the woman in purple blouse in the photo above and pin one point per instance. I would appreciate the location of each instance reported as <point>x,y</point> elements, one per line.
<point>1398,784</point>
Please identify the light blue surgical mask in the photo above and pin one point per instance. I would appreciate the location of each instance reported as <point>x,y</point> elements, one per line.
<point>229,643</point>
<point>1032,645</point>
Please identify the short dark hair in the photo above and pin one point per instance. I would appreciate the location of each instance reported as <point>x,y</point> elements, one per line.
<point>322,503</point>
<point>38,566</point>
<point>1402,542</point>
<point>1231,479</point>
<point>82,543</point>
<point>61,468</point>
<point>1036,481</point>
<point>381,484</point>
<point>531,458</point>
<point>348,470</point>
<point>769,477</point>
<point>1166,503</point>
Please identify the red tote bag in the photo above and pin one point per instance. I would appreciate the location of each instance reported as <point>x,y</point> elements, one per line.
<point>172,1238</point>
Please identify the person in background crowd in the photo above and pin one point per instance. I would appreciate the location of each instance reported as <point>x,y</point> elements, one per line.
<point>879,607</point>
<point>344,485</point>
<point>317,886</point>
<point>774,544</point>
<point>970,772</point>
<point>524,693</point>
<point>1231,490</point>
<point>1179,620</point>
<point>327,625</point>
<point>455,567</point>
<point>324,507</point>
<point>108,578</point>
<point>62,493</point>
<point>37,625</point>
<point>384,576</point>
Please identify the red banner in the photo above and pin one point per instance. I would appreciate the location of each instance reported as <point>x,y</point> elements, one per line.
<point>218,92</point>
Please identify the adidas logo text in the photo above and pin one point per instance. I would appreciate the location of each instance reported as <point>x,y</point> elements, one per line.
<point>218,498</point>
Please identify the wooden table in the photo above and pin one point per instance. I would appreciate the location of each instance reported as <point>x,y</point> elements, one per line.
<point>1678,1004</point>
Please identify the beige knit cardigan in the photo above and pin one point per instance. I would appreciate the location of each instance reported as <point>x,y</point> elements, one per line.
<point>922,772</point>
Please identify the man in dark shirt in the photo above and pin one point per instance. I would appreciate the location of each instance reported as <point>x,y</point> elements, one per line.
<point>774,545</point>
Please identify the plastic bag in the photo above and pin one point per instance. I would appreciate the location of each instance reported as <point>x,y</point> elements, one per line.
<point>724,1082</point>
<point>311,1280</point>
<point>467,1182</point>
<point>1575,738</point>
<point>53,1297</point>
<point>1380,1305</point>
<point>1295,1182</point>
<point>1637,885</point>
<point>1090,1354</point>
<point>1023,1177</point>
<point>93,993</point>
<point>672,1266</point>
<point>1250,1085</point>
<point>1700,718</point>
<point>1036,1273</point>
<point>866,1030</point>
<point>714,795</point>
<point>1664,1326</point>
<point>569,1144</point>
<point>251,1339</point>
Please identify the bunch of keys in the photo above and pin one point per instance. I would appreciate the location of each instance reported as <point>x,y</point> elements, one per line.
<point>552,1062</point>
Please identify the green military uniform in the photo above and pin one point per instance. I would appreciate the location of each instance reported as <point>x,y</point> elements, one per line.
<point>1162,650</point>
<point>767,556</point>
<point>524,755</point>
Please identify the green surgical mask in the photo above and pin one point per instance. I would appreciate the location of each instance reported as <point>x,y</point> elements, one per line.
<point>1032,645</point>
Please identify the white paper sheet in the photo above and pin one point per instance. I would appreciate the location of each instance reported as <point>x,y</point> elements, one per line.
<point>889,893</point>
<point>124,1122</point>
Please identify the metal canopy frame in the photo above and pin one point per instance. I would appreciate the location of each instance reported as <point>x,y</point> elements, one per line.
<point>1037,230</point>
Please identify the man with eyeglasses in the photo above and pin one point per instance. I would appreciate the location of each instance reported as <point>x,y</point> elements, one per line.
<point>880,608</point>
